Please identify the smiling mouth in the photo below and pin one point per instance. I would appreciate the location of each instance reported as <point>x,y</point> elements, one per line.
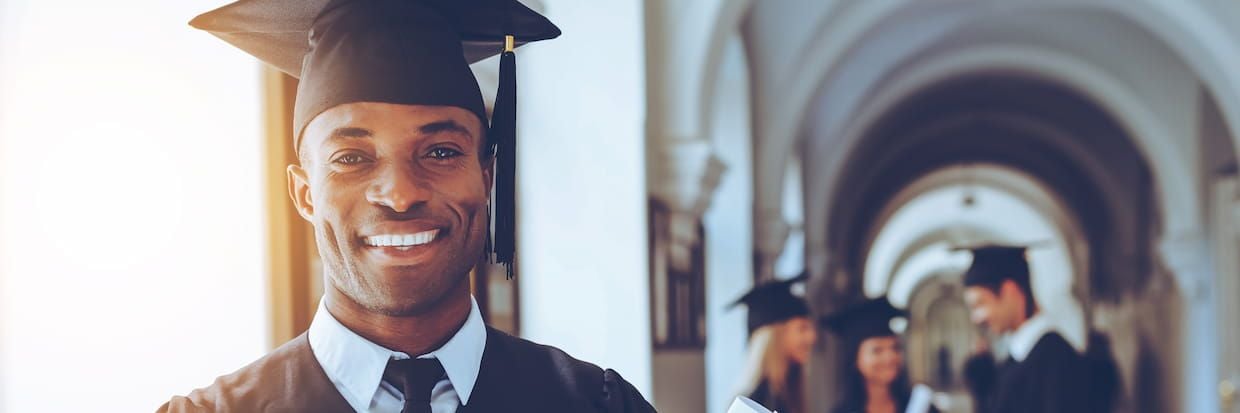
<point>401,241</point>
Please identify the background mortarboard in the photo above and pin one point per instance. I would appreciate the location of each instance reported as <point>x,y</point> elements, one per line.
<point>994,263</point>
<point>773,302</point>
<point>867,319</point>
<point>414,52</point>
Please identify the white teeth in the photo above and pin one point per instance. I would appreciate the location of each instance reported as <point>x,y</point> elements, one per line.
<point>402,240</point>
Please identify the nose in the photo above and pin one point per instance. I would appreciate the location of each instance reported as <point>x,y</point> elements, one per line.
<point>398,187</point>
<point>978,317</point>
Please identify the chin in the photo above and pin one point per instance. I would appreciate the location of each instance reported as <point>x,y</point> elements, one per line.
<point>802,360</point>
<point>401,306</point>
<point>403,291</point>
<point>885,378</point>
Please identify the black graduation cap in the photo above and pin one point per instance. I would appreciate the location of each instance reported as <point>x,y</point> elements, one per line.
<point>994,263</point>
<point>867,319</point>
<point>413,52</point>
<point>773,302</point>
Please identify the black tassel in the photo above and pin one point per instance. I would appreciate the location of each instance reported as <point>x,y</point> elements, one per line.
<point>503,132</point>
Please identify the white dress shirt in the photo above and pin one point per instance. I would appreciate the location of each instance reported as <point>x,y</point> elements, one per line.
<point>1022,341</point>
<point>355,365</point>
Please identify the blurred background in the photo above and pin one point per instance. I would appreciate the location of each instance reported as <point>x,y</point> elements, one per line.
<point>672,154</point>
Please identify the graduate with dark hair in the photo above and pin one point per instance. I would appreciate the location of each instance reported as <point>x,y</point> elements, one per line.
<point>1042,373</point>
<point>875,378</point>
<point>397,158</point>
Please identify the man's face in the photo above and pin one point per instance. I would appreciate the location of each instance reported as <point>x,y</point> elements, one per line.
<point>398,198</point>
<point>998,312</point>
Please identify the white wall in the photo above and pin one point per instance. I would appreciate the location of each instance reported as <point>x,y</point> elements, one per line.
<point>729,234</point>
<point>582,195</point>
<point>131,252</point>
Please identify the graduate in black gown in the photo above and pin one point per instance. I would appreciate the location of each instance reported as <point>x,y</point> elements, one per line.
<point>396,162</point>
<point>1043,372</point>
<point>875,378</point>
<point>781,339</point>
<point>1104,380</point>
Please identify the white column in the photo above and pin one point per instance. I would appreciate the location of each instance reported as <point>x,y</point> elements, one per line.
<point>771,232</point>
<point>729,232</point>
<point>1225,219</point>
<point>683,176</point>
<point>1187,256</point>
<point>581,187</point>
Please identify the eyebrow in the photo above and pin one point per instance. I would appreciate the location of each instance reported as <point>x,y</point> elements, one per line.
<point>350,132</point>
<point>444,126</point>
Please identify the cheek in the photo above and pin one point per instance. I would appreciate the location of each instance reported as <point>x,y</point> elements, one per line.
<point>895,360</point>
<point>329,201</point>
<point>790,343</point>
<point>335,193</point>
<point>465,190</point>
<point>979,314</point>
<point>865,363</point>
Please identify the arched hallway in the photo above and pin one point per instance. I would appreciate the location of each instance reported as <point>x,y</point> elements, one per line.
<point>879,136</point>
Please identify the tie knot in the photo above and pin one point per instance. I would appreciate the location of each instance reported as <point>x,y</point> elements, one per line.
<point>415,377</point>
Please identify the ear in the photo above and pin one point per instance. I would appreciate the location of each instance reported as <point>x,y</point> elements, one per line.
<point>1010,291</point>
<point>488,174</point>
<point>299,192</point>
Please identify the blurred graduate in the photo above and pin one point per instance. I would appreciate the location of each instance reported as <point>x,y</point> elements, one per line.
<point>781,340</point>
<point>875,377</point>
<point>1042,373</point>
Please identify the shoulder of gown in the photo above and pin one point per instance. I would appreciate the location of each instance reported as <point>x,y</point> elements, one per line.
<point>286,379</point>
<point>847,406</point>
<point>620,396</point>
<point>1052,344</point>
<point>980,373</point>
<point>1053,378</point>
<point>603,388</point>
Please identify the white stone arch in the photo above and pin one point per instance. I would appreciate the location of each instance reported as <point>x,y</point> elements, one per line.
<point>1205,48</point>
<point>1203,43</point>
<point>1181,25</point>
<point>688,41</point>
<point>1175,179</point>
<point>722,32</point>
<point>777,128</point>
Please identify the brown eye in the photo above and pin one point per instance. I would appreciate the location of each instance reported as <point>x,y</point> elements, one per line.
<point>443,153</point>
<point>350,159</point>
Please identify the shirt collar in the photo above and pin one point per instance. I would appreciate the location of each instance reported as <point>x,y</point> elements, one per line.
<point>355,365</point>
<point>461,356</point>
<point>1021,342</point>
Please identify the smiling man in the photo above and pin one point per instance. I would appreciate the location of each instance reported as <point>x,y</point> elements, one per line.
<point>1042,373</point>
<point>396,165</point>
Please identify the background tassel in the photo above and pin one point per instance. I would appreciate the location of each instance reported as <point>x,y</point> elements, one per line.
<point>504,131</point>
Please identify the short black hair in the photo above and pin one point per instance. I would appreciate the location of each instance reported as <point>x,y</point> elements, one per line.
<point>1021,279</point>
<point>994,264</point>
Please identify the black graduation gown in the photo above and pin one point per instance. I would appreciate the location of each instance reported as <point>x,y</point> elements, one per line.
<point>762,395</point>
<point>516,375</point>
<point>1104,380</point>
<point>1053,378</point>
<point>857,406</point>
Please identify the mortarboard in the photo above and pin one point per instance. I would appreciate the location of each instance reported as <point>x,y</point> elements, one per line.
<point>867,319</point>
<point>994,263</point>
<point>414,52</point>
<point>773,302</point>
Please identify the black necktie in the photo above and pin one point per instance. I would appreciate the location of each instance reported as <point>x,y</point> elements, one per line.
<point>416,378</point>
